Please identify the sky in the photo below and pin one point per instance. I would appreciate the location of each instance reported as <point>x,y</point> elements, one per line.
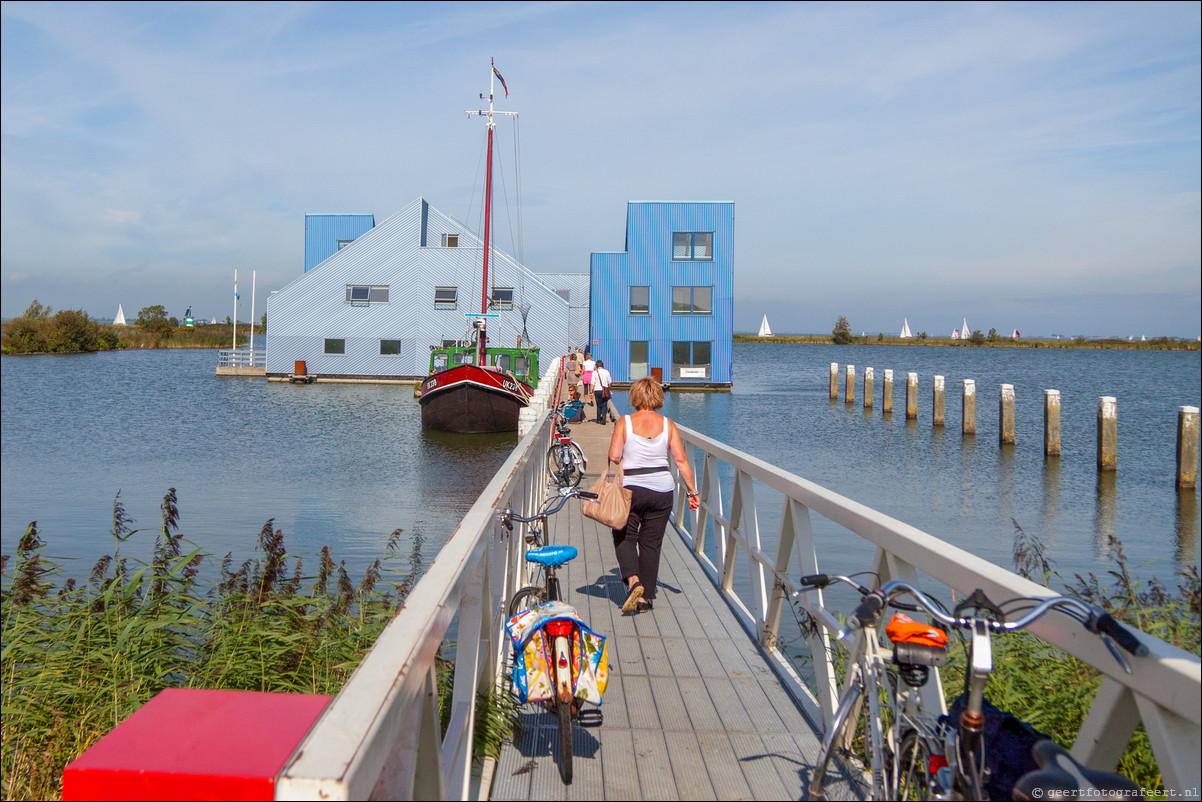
<point>1030,166</point>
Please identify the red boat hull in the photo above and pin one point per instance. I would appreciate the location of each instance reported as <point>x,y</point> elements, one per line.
<point>472,400</point>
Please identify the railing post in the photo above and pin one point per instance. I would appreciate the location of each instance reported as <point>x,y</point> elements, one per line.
<point>911,396</point>
<point>887,393</point>
<point>1051,423</point>
<point>1108,433</point>
<point>968,408</point>
<point>1187,448</point>
<point>868,388</point>
<point>937,402</point>
<point>1006,416</point>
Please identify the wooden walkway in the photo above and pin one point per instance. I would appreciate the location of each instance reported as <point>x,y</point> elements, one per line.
<point>692,710</point>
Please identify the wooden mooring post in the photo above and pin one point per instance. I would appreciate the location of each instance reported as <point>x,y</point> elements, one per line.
<point>1051,423</point>
<point>1108,433</point>
<point>911,396</point>
<point>887,393</point>
<point>834,380</point>
<point>968,408</point>
<point>937,401</point>
<point>868,389</point>
<point>849,389</point>
<point>1006,416</point>
<point>1187,448</point>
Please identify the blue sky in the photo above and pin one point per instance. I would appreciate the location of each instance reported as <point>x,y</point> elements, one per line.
<point>1029,166</point>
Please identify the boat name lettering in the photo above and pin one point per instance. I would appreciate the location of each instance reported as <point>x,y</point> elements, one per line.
<point>510,386</point>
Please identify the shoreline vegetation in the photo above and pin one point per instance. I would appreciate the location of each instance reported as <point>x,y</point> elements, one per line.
<point>1155,344</point>
<point>81,657</point>
<point>71,331</point>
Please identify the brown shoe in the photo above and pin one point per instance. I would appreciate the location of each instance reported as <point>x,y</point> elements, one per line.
<point>632,597</point>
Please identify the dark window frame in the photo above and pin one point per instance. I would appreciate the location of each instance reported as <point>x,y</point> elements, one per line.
<point>691,245</point>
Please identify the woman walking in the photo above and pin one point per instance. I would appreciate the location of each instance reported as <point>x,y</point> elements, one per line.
<point>586,376</point>
<point>601,382</point>
<point>643,442</point>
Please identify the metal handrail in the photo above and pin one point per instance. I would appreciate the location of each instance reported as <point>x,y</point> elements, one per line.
<point>241,358</point>
<point>1164,692</point>
<point>379,737</point>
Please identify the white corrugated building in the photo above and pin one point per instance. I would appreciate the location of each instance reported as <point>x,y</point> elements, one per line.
<point>377,305</point>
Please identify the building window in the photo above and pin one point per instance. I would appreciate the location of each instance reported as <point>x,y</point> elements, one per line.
<point>691,360</point>
<point>335,347</point>
<point>640,300</point>
<point>390,347</point>
<point>365,294</point>
<point>692,300</point>
<point>692,246</point>
<point>450,240</point>
<point>502,297</point>
<point>342,243</point>
<point>640,363</point>
<point>446,297</point>
<point>565,294</point>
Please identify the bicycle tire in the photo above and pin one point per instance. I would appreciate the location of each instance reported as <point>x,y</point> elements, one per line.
<point>527,598</point>
<point>913,767</point>
<point>564,710</point>
<point>834,735</point>
<point>565,464</point>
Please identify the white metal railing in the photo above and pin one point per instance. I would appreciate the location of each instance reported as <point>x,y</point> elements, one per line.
<point>1164,692</point>
<point>379,738</point>
<point>241,358</point>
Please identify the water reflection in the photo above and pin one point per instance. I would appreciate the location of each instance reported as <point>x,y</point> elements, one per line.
<point>1187,527</point>
<point>1106,512</point>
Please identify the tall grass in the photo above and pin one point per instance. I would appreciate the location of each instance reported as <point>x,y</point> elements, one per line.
<point>79,658</point>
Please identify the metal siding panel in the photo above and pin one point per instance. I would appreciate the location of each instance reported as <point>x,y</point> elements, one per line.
<point>312,307</point>
<point>323,231</point>
<point>648,262</point>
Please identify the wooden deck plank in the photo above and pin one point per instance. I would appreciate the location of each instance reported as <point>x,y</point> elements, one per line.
<point>693,710</point>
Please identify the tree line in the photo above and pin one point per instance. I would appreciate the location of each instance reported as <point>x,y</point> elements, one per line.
<point>41,330</point>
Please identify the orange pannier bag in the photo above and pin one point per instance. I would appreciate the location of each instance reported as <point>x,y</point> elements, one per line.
<point>903,629</point>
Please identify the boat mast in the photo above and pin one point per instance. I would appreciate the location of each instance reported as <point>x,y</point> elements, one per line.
<point>492,78</point>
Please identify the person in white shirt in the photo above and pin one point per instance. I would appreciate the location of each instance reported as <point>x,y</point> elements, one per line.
<point>644,443</point>
<point>586,376</point>
<point>601,382</point>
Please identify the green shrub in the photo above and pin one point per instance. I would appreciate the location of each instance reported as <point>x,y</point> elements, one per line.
<point>79,658</point>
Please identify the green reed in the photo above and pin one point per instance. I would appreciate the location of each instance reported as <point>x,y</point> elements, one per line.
<point>79,658</point>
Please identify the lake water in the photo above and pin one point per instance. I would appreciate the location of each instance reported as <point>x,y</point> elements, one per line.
<point>345,465</point>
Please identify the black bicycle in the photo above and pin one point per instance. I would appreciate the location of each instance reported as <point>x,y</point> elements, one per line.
<point>546,588</point>
<point>914,752</point>
<point>566,462</point>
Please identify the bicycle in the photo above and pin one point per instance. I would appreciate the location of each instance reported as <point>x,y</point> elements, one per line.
<point>566,462</point>
<point>915,753</point>
<point>565,656</point>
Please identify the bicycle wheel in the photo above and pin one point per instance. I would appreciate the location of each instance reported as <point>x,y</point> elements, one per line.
<point>527,598</point>
<point>565,741</point>
<point>913,767</point>
<point>836,734</point>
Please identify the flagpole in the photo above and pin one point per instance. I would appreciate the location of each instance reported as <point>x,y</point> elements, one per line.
<point>253,273</point>
<point>235,335</point>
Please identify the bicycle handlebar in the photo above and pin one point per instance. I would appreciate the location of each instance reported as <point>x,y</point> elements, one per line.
<point>508,515</point>
<point>869,610</point>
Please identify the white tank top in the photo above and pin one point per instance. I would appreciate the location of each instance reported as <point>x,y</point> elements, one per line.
<point>647,452</point>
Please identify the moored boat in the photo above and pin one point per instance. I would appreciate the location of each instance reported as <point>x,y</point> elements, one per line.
<point>474,388</point>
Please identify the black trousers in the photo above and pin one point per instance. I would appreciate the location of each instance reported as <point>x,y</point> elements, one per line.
<point>638,544</point>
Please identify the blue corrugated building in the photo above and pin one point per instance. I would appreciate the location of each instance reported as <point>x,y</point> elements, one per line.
<point>326,234</point>
<point>665,305</point>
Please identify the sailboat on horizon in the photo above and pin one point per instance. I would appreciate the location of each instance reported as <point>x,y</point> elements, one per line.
<point>765,329</point>
<point>905,332</point>
<point>119,320</point>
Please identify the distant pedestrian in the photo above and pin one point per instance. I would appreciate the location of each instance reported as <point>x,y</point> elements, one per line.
<point>586,376</point>
<point>643,442</point>
<point>573,370</point>
<point>601,382</point>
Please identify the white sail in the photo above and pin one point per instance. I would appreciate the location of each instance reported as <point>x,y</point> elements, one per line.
<point>905,332</point>
<point>964,330</point>
<point>765,331</point>
<point>119,320</point>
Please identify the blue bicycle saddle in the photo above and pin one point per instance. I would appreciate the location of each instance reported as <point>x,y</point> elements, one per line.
<point>553,556</point>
